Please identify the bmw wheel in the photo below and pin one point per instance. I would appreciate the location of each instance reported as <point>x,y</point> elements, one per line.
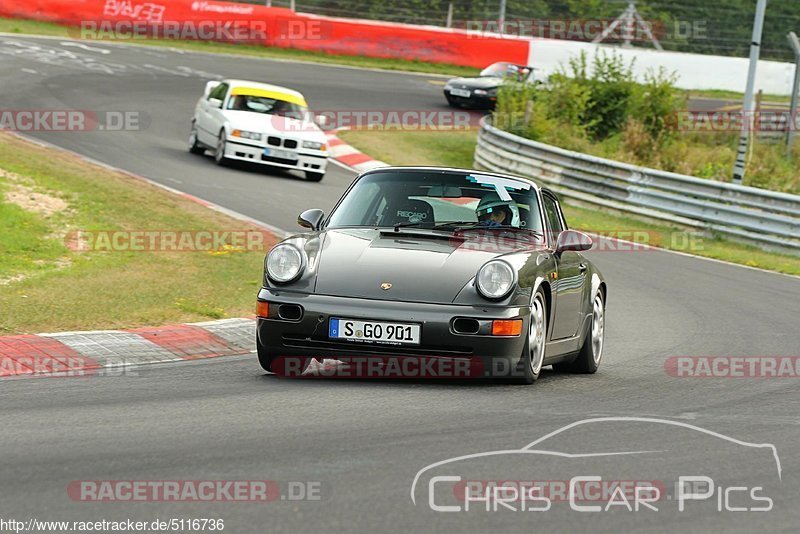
<point>194,145</point>
<point>219,154</point>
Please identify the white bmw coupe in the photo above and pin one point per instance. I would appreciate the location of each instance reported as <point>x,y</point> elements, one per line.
<point>259,123</point>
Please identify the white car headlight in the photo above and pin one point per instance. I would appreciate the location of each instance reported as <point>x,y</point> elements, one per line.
<point>284,263</point>
<point>244,134</point>
<point>313,145</point>
<point>495,279</point>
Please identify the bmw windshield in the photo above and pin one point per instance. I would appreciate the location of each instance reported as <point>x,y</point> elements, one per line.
<point>266,105</point>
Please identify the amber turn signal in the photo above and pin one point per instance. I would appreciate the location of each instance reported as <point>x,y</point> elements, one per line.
<point>510,327</point>
<point>262,309</point>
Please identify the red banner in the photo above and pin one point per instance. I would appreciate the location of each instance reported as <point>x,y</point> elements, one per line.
<point>253,24</point>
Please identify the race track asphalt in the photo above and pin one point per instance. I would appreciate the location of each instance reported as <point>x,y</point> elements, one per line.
<point>364,441</point>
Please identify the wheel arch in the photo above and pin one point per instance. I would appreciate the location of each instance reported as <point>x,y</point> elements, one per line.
<point>548,301</point>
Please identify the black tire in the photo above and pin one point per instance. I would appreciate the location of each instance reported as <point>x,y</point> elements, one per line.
<point>219,153</point>
<point>588,359</point>
<point>194,145</point>
<point>314,176</point>
<point>267,361</point>
<point>531,361</point>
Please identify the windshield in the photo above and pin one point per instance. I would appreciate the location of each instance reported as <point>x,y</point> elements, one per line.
<point>439,199</point>
<point>501,70</point>
<point>266,105</point>
<point>498,69</point>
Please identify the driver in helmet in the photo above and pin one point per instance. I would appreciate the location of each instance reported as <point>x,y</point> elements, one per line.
<point>492,211</point>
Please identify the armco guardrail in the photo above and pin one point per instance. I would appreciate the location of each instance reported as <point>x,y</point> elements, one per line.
<point>767,218</point>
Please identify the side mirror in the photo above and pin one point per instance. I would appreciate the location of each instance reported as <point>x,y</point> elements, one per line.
<point>321,120</point>
<point>215,102</point>
<point>311,219</point>
<point>574,241</point>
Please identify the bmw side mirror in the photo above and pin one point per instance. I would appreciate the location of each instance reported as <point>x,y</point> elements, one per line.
<point>215,102</point>
<point>574,241</point>
<point>311,219</point>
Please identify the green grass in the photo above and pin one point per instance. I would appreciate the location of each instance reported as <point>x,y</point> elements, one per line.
<point>47,286</point>
<point>23,242</point>
<point>456,149</point>
<point>46,28</point>
<point>439,148</point>
<point>723,94</point>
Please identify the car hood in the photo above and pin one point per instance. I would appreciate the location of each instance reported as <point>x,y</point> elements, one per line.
<point>274,125</point>
<point>419,267</point>
<point>480,82</point>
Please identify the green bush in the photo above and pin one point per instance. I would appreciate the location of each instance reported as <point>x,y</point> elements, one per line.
<point>598,108</point>
<point>611,92</point>
<point>511,112</point>
<point>657,104</point>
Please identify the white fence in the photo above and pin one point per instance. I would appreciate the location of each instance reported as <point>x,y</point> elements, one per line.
<point>694,71</point>
<point>767,218</point>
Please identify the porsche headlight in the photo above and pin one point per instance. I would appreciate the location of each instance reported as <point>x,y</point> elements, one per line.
<point>244,134</point>
<point>495,279</point>
<point>313,145</point>
<point>284,263</point>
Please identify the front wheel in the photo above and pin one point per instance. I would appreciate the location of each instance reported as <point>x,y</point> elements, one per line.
<point>314,176</point>
<point>588,359</point>
<point>194,145</point>
<point>219,154</point>
<point>530,364</point>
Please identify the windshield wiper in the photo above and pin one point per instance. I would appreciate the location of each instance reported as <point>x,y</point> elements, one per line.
<point>473,225</point>
<point>407,225</point>
<point>457,225</point>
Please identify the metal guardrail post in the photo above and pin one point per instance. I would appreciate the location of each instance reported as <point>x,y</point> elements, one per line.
<point>793,119</point>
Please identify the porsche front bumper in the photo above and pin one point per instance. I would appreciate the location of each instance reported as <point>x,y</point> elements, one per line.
<point>306,333</point>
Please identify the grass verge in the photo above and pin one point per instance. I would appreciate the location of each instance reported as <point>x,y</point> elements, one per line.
<point>455,149</point>
<point>48,285</point>
<point>31,27</point>
<point>723,94</point>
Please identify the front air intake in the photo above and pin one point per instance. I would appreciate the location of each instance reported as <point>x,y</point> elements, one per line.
<point>466,326</point>
<point>290,312</point>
